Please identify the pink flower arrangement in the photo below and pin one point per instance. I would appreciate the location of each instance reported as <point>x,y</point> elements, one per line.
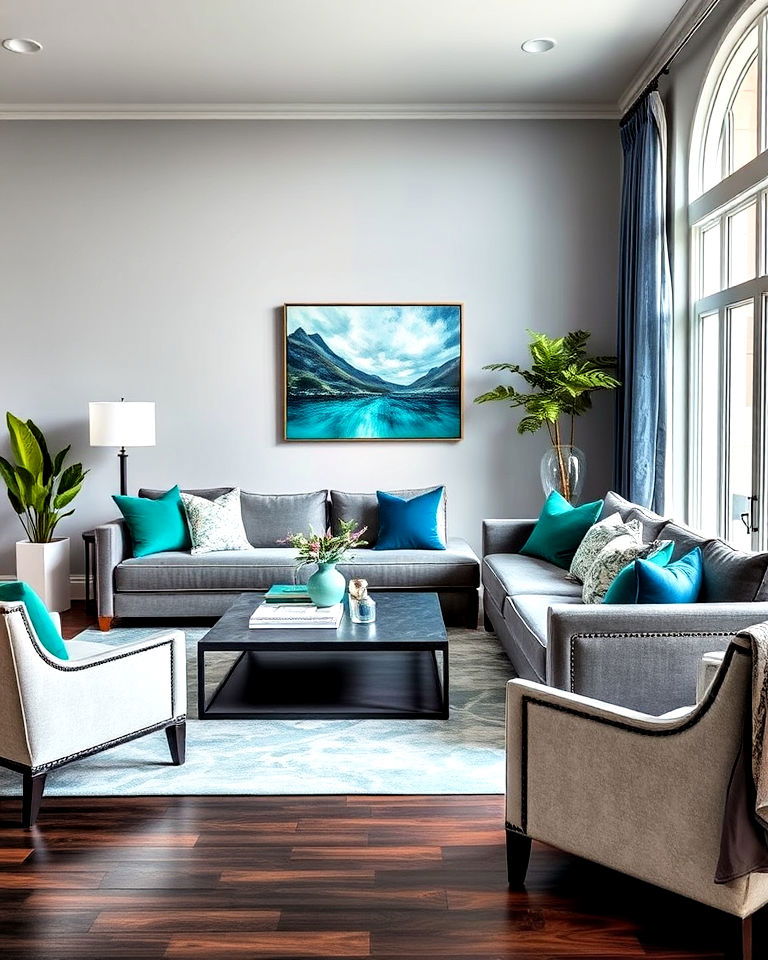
<point>326,548</point>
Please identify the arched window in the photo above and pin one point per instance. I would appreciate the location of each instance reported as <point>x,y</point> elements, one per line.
<point>728,215</point>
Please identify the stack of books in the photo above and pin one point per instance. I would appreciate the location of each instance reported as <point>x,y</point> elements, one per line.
<point>287,593</point>
<point>279,616</point>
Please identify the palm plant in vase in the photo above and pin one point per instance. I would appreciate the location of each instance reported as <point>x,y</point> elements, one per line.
<point>562,378</point>
<point>40,487</point>
<point>326,586</point>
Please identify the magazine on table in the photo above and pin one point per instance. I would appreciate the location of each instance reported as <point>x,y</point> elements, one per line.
<point>298,615</point>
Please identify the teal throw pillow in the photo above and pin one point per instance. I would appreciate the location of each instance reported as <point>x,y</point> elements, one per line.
<point>624,586</point>
<point>44,627</point>
<point>155,525</point>
<point>678,582</point>
<point>409,524</point>
<point>560,529</point>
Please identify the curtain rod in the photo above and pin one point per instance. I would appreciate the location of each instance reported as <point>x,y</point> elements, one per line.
<point>664,69</point>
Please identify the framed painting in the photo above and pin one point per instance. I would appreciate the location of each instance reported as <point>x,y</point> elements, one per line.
<point>373,371</point>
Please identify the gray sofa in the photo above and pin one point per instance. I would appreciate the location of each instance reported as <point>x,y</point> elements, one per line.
<point>641,656</point>
<point>178,584</point>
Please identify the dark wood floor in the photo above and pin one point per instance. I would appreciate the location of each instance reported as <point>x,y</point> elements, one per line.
<point>361,876</point>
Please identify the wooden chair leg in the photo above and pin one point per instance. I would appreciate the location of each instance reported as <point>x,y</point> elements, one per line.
<point>746,939</point>
<point>34,784</point>
<point>177,742</point>
<point>518,856</point>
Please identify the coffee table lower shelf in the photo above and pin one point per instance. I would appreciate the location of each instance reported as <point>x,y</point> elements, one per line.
<point>335,685</point>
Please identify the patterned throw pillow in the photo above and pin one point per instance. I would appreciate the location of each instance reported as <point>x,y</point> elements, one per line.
<point>598,536</point>
<point>216,524</point>
<point>611,561</point>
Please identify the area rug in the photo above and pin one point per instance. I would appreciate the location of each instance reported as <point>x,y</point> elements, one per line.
<point>461,755</point>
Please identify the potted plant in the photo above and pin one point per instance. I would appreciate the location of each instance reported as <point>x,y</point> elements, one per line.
<point>39,488</point>
<point>326,586</point>
<point>562,378</point>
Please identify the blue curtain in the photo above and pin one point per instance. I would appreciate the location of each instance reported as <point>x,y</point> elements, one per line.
<point>645,308</point>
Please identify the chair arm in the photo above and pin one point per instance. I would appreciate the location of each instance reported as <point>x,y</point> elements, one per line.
<point>74,706</point>
<point>505,536</point>
<point>113,545</point>
<point>643,656</point>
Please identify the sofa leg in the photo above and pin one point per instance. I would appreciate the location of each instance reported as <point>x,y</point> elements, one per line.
<point>518,856</point>
<point>746,939</point>
<point>105,624</point>
<point>177,742</point>
<point>34,784</point>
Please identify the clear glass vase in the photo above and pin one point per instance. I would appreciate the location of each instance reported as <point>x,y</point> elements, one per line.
<point>563,468</point>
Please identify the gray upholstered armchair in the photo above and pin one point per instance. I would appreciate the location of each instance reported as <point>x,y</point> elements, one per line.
<point>641,794</point>
<point>54,711</point>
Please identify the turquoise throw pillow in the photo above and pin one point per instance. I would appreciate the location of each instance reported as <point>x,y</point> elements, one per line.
<point>409,524</point>
<point>624,586</point>
<point>560,529</point>
<point>678,582</point>
<point>44,627</point>
<point>155,525</point>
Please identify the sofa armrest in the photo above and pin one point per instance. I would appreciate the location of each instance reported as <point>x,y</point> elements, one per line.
<point>642,656</point>
<point>113,545</point>
<point>505,536</point>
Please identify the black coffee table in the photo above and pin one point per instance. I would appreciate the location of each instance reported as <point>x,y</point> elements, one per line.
<point>364,671</point>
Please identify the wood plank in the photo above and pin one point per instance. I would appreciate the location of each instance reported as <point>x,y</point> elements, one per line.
<point>172,921</point>
<point>316,944</point>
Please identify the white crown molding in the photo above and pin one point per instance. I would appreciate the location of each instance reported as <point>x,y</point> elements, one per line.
<point>690,12</point>
<point>308,111</point>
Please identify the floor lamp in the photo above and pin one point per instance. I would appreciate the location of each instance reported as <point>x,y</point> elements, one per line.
<point>122,424</point>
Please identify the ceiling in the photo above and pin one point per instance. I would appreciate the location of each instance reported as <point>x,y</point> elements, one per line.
<point>186,53</point>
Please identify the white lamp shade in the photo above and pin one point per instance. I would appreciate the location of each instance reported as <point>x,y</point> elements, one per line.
<point>122,423</point>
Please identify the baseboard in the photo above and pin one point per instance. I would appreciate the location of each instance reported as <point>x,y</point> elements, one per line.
<point>76,584</point>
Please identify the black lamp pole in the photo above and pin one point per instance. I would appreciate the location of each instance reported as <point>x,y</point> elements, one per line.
<point>123,458</point>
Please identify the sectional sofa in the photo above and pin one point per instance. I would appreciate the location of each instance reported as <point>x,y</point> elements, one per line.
<point>640,656</point>
<point>177,584</point>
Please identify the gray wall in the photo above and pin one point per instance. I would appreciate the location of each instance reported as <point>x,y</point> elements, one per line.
<point>149,260</point>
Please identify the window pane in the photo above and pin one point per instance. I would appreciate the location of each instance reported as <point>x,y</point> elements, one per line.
<point>742,228</point>
<point>744,119</point>
<point>709,424</point>
<point>740,421</point>
<point>710,260</point>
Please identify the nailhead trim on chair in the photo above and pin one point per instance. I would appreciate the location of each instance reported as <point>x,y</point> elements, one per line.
<point>610,636</point>
<point>705,706</point>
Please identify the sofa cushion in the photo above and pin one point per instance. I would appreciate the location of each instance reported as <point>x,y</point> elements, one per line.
<point>410,523</point>
<point>510,574</point>
<point>651,523</point>
<point>732,576</point>
<point>267,517</point>
<point>155,523</point>
<point>684,538</point>
<point>456,566</point>
<point>560,529</point>
<point>364,507</point>
<point>271,517</point>
<point>526,616</point>
<point>598,535</point>
<point>235,570</point>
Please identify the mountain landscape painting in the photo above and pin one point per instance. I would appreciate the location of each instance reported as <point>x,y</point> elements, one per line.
<point>373,371</point>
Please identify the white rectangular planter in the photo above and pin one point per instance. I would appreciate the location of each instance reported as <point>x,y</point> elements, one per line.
<point>45,567</point>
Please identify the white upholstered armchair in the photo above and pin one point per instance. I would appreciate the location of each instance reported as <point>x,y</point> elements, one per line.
<point>53,711</point>
<point>641,794</point>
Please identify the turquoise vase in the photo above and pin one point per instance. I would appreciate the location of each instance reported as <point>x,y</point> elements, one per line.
<point>326,587</point>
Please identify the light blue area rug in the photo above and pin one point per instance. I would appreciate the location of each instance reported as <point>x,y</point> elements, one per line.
<point>464,754</point>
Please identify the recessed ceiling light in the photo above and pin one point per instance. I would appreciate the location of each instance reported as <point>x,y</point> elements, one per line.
<point>19,45</point>
<point>539,45</point>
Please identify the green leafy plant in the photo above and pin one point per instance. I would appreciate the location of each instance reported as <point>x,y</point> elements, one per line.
<point>562,378</point>
<point>39,486</point>
<point>326,548</point>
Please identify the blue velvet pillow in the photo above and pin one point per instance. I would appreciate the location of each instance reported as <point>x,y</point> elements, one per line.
<point>560,529</point>
<point>409,524</point>
<point>678,582</point>
<point>44,627</point>
<point>624,586</point>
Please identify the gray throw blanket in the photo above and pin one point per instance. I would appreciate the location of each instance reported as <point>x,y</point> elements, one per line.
<point>744,840</point>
